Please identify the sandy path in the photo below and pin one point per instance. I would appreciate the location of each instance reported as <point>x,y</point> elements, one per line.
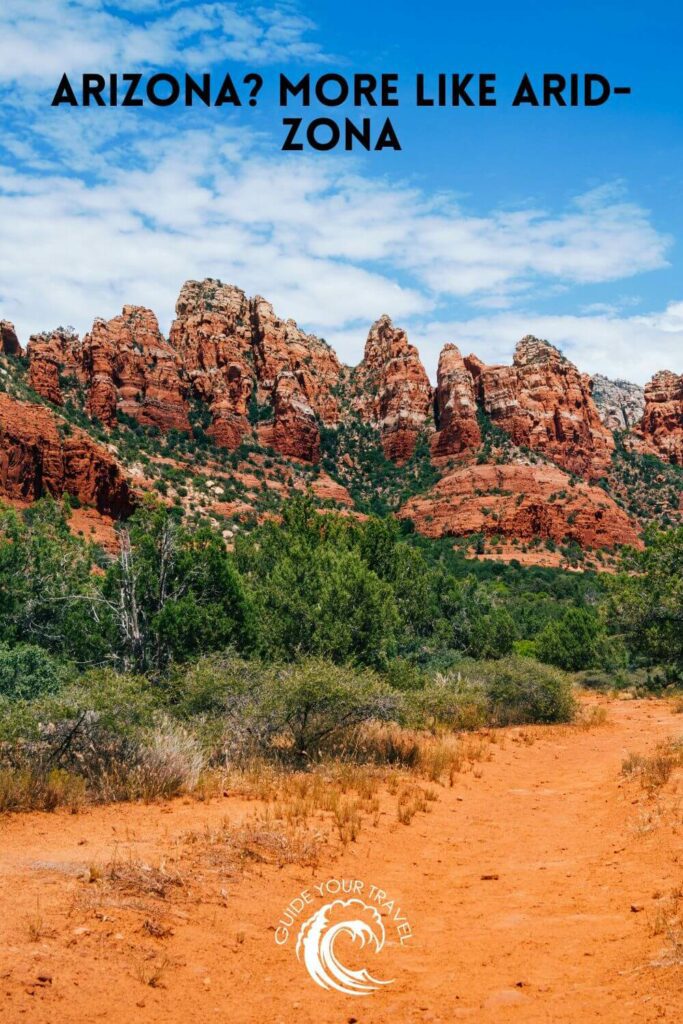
<point>552,937</point>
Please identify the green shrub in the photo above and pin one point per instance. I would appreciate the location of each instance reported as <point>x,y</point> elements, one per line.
<point>448,701</point>
<point>493,635</point>
<point>293,708</point>
<point>315,701</point>
<point>27,671</point>
<point>520,690</point>
<point>576,641</point>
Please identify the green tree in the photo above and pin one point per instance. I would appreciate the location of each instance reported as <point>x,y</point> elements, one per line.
<point>574,642</point>
<point>493,635</point>
<point>49,594</point>
<point>28,671</point>
<point>175,592</point>
<point>646,599</point>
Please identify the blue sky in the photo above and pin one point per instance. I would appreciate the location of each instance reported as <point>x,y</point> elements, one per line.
<point>489,224</point>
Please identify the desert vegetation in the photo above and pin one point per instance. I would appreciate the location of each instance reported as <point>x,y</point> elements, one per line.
<point>318,641</point>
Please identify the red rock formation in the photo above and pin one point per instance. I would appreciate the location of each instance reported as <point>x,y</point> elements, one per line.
<point>295,428</point>
<point>662,424</point>
<point>130,368</point>
<point>40,455</point>
<point>544,403</point>
<point>391,389</point>
<point>51,355</point>
<point>9,343</point>
<point>523,501</point>
<point>327,489</point>
<point>280,345</point>
<point>212,335</point>
<point>456,407</point>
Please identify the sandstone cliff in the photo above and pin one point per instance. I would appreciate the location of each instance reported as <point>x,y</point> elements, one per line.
<point>295,428</point>
<point>544,403</point>
<point>522,501</point>
<point>662,424</point>
<point>130,368</point>
<point>212,338</point>
<point>51,356</point>
<point>41,455</point>
<point>279,345</point>
<point>455,406</point>
<point>390,389</point>
<point>9,343</point>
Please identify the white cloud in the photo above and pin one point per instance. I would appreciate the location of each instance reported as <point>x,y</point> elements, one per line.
<point>100,217</point>
<point>41,40</point>
<point>627,347</point>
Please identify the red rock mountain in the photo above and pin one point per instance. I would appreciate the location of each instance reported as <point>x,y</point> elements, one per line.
<point>521,501</point>
<point>390,388</point>
<point>544,403</point>
<point>9,343</point>
<point>51,355</point>
<point>456,406</point>
<point>38,456</point>
<point>233,368</point>
<point>130,368</point>
<point>662,424</point>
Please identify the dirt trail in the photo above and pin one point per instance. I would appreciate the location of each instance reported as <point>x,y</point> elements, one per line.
<point>568,846</point>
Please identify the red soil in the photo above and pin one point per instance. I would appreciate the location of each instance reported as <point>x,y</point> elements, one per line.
<point>533,888</point>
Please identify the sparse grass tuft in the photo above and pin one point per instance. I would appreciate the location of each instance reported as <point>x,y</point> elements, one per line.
<point>135,878</point>
<point>668,922</point>
<point>234,847</point>
<point>35,926</point>
<point>411,799</point>
<point>656,770</point>
<point>591,717</point>
<point>152,974</point>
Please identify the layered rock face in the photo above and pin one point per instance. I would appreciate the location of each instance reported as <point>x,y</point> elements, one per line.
<point>390,388</point>
<point>212,336</point>
<point>130,368</point>
<point>51,355</point>
<point>520,501</point>
<point>662,424</point>
<point>544,403</point>
<point>261,377</point>
<point>455,406</point>
<point>280,346</point>
<point>295,428</point>
<point>9,343</point>
<point>619,403</point>
<point>37,458</point>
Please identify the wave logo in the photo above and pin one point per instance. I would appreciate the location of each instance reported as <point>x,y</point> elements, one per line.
<point>316,945</point>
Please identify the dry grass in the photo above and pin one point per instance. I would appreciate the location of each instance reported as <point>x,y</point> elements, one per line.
<point>36,929</point>
<point>133,877</point>
<point>411,800</point>
<point>347,818</point>
<point>438,756</point>
<point>667,922</point>
<point>233,848</point>
<point>654,771</point>
<point>26,789</point>
<point>152,972</point>
<point>591,716</point>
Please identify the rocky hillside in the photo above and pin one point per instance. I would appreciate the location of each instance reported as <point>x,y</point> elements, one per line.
<point>237,408</point>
